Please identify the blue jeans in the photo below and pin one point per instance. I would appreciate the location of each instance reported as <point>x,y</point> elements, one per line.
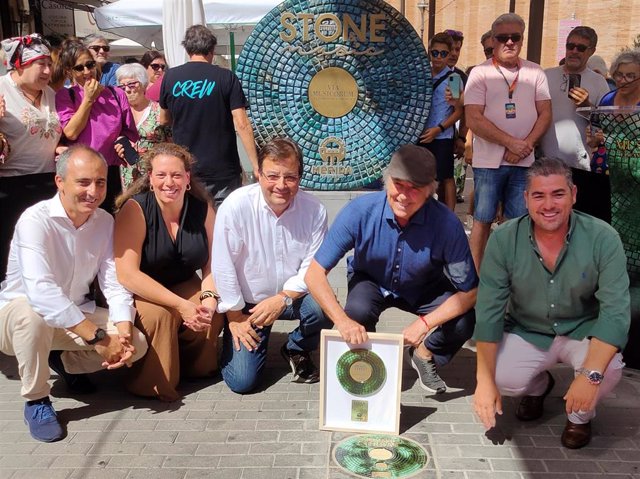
<point>365,303</point>
<point>241,370</point>
<point>493,185</point>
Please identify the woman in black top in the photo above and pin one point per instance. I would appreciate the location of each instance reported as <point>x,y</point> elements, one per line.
<point>163,234</point>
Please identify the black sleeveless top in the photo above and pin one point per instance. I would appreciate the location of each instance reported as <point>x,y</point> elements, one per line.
<point>167,262</point>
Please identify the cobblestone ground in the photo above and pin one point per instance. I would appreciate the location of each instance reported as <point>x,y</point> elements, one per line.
<point>273,433</point>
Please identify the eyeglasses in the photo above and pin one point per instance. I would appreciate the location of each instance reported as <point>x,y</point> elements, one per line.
<point>130,85</point>
<point>97,48</point>
<point>630,76</point>
<point>456,34</point>
<point>504,38</point>
<point>577,46</point>
<point>157,66</point>
<point>439,53</point>
<point>488,51</point>
<point>273,178</point>
<point>90,65</point>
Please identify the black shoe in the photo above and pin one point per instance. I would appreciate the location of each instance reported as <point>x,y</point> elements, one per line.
<point>532,407</point>
<point>76,383</point>
<point>302,367</point>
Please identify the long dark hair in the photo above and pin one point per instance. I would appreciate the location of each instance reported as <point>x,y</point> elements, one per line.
<point>143,184</point>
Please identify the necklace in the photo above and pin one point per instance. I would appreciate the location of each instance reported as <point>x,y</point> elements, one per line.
<point>34,100</point>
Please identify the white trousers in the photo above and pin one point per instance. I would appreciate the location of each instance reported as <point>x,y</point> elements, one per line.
<point>521,366</point>
<point>25,335</point>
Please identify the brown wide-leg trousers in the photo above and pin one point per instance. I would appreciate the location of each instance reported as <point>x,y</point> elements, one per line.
<point>174,349</point>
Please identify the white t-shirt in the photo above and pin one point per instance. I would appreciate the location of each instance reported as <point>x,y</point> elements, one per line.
<point>32,133</point>
<point>488,88</point>
<point>566,137</point>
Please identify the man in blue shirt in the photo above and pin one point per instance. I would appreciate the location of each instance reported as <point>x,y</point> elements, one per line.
<point>410,252</point>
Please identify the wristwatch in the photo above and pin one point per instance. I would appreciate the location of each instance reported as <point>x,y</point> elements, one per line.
<point>209,294</point>
<point>100,334</point>
<point>594,377</point>
<point>288,301</point>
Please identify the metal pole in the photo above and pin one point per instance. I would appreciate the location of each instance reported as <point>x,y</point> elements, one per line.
<point>232,49</point>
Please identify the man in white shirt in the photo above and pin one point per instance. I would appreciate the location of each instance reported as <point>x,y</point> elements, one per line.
<point>566,137</point>
<point>58,248</point>
<point>264,238</point>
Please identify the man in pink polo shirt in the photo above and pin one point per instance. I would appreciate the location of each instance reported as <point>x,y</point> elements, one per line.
<point>508,108</point>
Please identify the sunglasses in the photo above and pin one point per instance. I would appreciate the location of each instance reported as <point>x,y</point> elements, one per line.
<point>90,65</point>
<point>504,38</point>
<point>577,46</point>
<point>97,48</point>
<point>158,66</point>
<point>439,53</point>
<point>131,85</point>
<point>488,51</point>
<point>456,34</point>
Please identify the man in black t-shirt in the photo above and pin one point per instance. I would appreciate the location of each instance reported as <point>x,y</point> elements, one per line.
<point>205,105</point>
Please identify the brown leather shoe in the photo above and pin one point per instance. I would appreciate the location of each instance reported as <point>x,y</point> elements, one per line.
<point>532,407</point>
<point>576,436</point>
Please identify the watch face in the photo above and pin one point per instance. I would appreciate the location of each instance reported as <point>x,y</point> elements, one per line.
<point>595,377</point>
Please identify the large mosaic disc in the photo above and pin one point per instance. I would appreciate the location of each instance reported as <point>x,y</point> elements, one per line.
<point>348,80</point>
<point>379,455</point>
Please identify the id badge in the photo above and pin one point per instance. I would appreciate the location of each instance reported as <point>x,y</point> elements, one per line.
<point>510,110</point>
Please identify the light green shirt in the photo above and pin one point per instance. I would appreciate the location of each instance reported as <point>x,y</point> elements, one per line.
<point>587,294</point>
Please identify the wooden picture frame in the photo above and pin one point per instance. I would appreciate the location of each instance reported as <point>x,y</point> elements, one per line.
<point>344,373</point>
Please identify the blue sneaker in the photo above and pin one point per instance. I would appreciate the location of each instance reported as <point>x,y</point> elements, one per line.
<point>42,420</point>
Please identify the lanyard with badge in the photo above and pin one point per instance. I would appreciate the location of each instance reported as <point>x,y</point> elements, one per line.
<point>510,106</point>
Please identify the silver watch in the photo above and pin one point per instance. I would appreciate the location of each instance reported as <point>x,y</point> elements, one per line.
<point>594,377</point>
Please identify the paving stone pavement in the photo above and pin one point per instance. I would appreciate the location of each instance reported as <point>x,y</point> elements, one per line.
<point>215,433</point>
<point>273,434</point>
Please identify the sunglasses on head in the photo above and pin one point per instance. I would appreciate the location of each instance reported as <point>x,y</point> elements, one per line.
<point>157,66</point>
<point>577,46</point>
<point>504,38</point>
<point>80,68</point>
<point>456,34</point>
<point>97,48</point>
<point>488,51</point>
<point>439,53</point>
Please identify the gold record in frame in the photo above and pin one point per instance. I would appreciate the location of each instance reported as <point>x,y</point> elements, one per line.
<point>361,372</point>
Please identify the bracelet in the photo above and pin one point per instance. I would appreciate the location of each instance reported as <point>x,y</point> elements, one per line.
<point>441,127</point>
<point>424,320</point>
<point>209,294</point>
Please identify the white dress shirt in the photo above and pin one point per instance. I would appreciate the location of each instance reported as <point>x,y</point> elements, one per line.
<point>53,264</point>
<point>257,254</point>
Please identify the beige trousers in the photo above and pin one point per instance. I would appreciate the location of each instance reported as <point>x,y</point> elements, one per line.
<point>25,335</point>
<point>174,349</point>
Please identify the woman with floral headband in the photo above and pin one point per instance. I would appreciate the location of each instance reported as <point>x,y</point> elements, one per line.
<point>29,133</point>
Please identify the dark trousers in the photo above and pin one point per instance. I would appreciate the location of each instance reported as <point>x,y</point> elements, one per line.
<point>220,189</point>
<point>365,303</point>
<point>594,194</point>
<point>17,193</point>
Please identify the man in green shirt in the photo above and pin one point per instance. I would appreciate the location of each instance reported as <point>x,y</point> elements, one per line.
<point>553,289</point>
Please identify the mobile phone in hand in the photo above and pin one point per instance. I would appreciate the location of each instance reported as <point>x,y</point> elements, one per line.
<point>130,154</point>
<point>594,121</point>
<point>455,85</point>
<point>574,81</point>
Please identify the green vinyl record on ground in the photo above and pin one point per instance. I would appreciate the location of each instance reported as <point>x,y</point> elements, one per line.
<point>380,455</point>
<point>361,372</point>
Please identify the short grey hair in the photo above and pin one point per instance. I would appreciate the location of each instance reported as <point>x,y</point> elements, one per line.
<point>626,56</point>
<point>507,18</point>
<point>63,160</point>
<point>544,166</point>
<point>94,37</point>
<point>133,70</point>
<point>199,40</point>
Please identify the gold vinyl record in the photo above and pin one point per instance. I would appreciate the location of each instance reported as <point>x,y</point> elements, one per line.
<point>361,372</point>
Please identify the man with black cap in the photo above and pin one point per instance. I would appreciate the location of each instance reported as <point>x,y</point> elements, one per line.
<point>410,252</point>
